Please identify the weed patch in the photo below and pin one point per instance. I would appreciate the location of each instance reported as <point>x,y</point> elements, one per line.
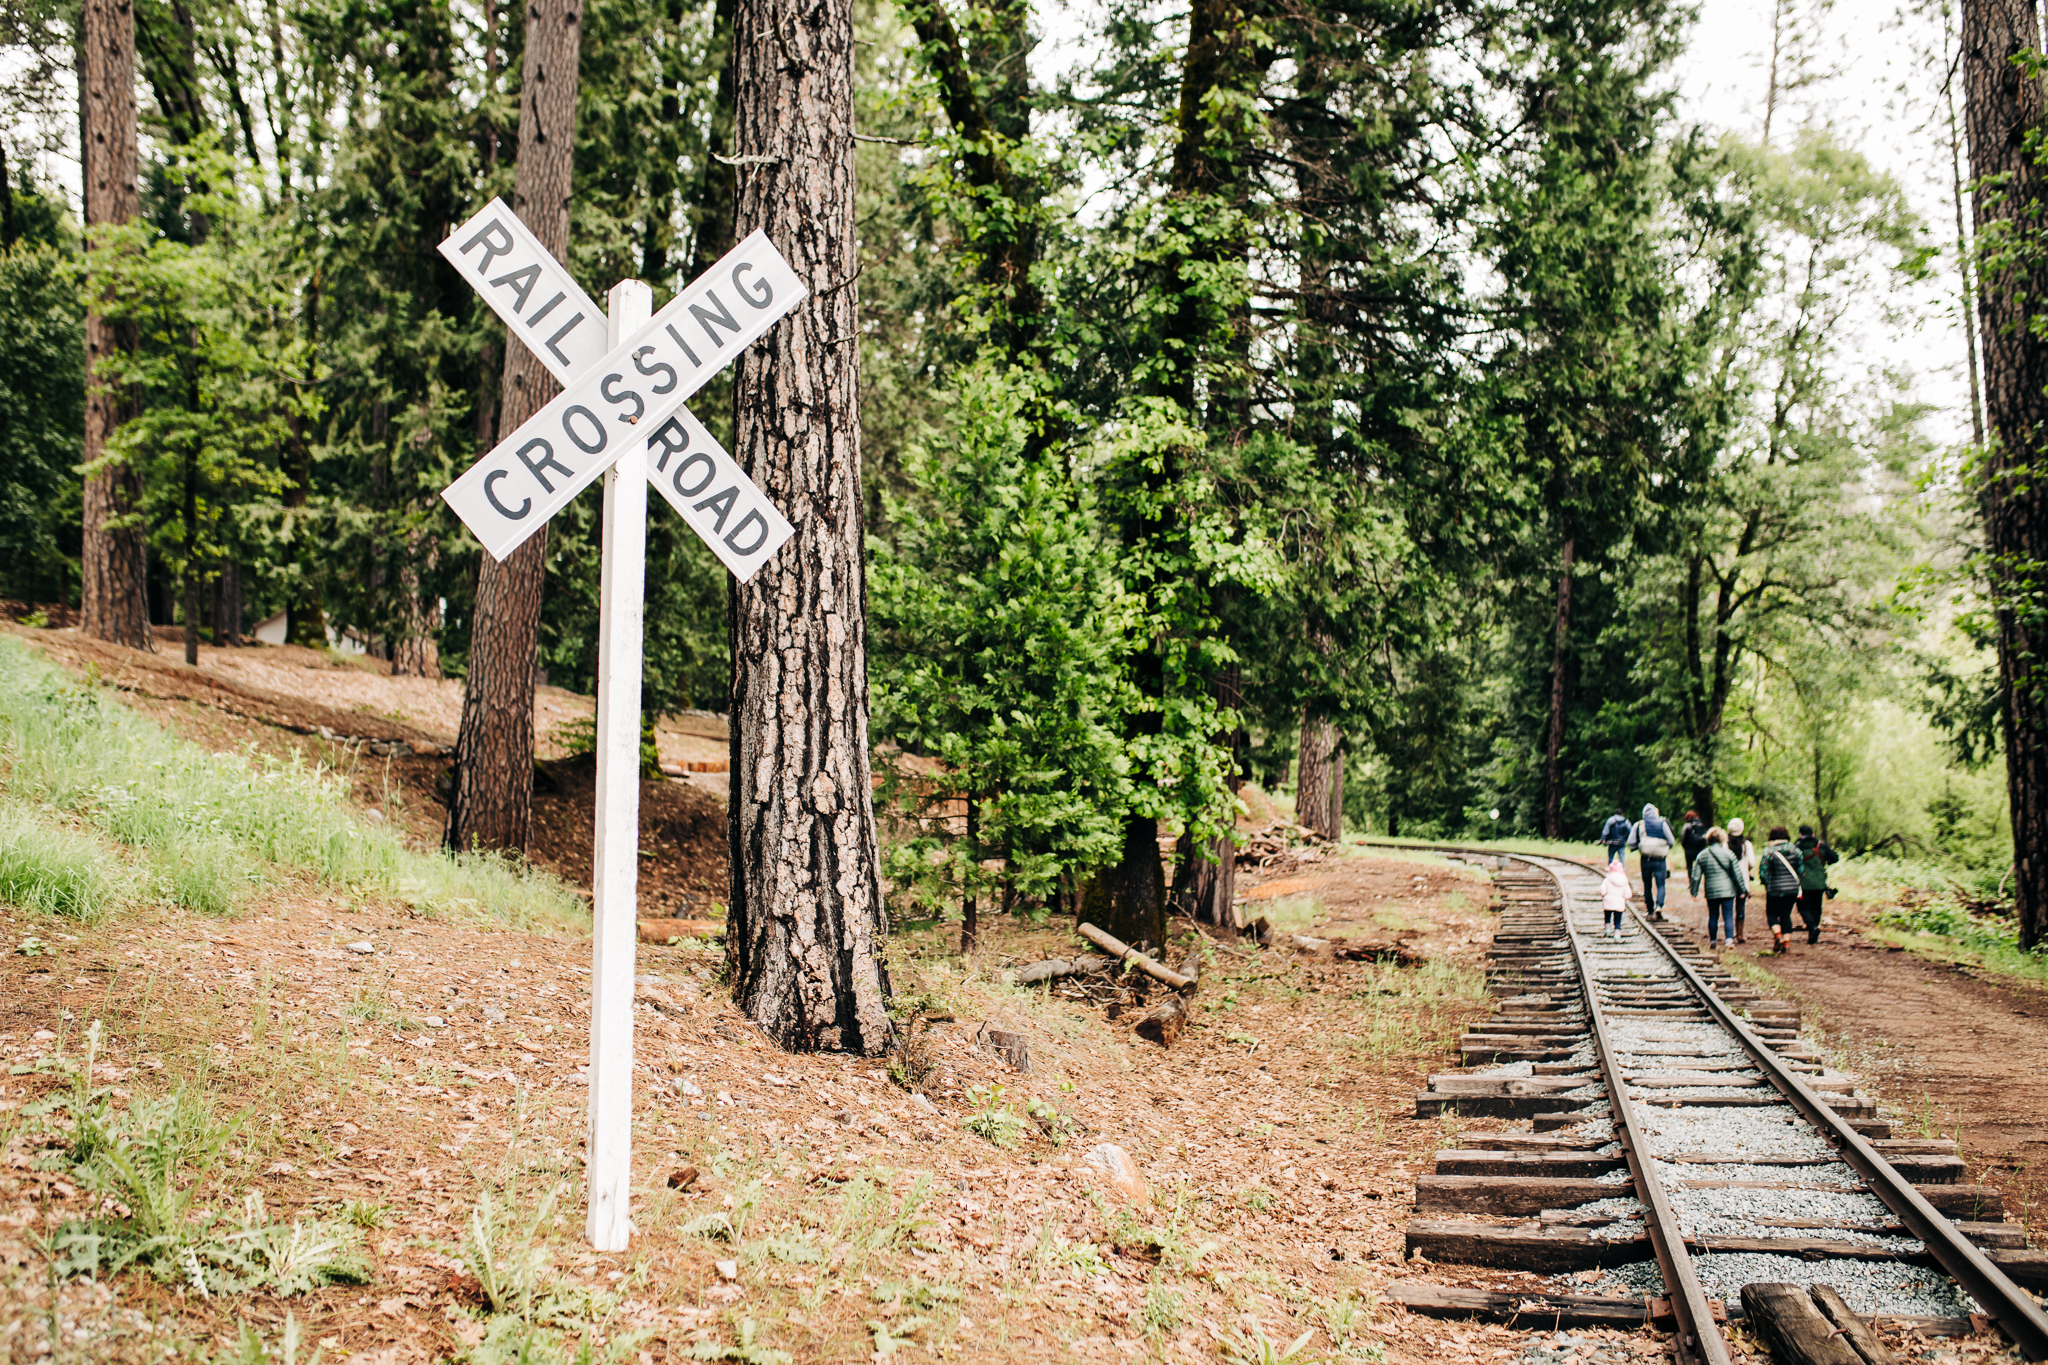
<point>50,871</point>
<point>145,1168</point>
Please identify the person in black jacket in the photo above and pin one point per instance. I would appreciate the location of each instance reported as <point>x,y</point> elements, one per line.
<point>1614,834</point>
<point>1780,865</point>
<point>1692,837</point>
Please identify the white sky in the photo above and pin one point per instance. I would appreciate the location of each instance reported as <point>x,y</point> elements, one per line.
<point>1882,96</point>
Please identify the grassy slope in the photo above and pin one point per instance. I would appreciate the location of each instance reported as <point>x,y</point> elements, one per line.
<point>100,808</point>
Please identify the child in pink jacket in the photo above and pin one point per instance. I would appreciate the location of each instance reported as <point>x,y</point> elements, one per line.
<point>1614,897</point>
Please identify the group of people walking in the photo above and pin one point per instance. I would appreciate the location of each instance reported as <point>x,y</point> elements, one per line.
<point>1723,864</point>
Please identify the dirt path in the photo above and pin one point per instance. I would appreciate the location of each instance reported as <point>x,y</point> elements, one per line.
<point>1948,1050</point>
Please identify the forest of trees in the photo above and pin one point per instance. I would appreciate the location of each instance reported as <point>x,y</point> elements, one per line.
<point>1391,401</point>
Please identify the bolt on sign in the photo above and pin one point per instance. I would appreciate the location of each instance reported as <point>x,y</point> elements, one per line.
<point>624,375</point>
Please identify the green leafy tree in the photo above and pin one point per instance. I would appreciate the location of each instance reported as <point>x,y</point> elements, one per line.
<point>213,370</point>
<point>42,393</point>
<point>1000,647</point>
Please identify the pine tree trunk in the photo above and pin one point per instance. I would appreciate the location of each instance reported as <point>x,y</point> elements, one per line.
<point>2003,108</point>
<point>804,933</point>
<point>492,804</point>
<point>1206,887</point>
<point>113,605</point>
<point>415,653</point>
<point>305,614</point>
<point>1127,900</point>
<point>1335,819</point>
<point>1312,783</point>
<point>1553,781</point>
<point>970,921</point>
<point>189,571</point>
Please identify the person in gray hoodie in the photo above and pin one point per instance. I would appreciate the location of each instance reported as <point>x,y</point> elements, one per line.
<point>1652,839</point>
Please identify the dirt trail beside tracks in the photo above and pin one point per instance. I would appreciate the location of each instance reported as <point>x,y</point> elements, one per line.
<point>1945,1049</point>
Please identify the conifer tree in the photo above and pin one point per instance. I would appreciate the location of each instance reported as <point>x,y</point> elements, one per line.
<point>112,605</point>
<point>492,800</point>
<point>1000,650</point>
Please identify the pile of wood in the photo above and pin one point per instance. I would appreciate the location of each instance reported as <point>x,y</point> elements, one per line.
<point>1282,844</point>
<point>1094,978</point>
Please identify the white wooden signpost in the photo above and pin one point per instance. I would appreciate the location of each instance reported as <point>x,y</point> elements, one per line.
<point>624,378</point>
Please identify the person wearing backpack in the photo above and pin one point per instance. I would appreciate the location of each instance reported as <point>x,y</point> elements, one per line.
<point>1744,850</point>
<point>1614,834</point>
<point>1780,863</point>
<point>1720,874</point>
<point>1692,837</point>
<point>1652,840</point>
<point>1814,890</point>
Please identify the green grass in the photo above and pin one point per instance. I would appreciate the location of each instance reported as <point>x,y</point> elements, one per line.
<point>53,871</point>
<point>1407,1010</point>
<point>209,826</point>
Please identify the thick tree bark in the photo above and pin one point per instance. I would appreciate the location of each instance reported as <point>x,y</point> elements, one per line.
<point>804,933</point>
<point>970,918</point>
<point>2002,109</point>
<point>1335,818</point>
<point>1206,887</point>
<point>416,653</point>
<point>1553,785</point>
<point>492,804</point>
<point>112,601</point>
<point>1312,784</point>
<point>1128,898</point>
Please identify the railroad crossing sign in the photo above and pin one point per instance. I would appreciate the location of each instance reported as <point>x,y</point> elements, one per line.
<point>619,368</point>
<point>640,383</point>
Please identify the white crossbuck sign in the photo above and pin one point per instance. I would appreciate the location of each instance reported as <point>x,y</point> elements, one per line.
<point>624,377</point>
<point>613,393</point>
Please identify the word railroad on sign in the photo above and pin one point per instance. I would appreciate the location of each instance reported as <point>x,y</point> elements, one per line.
<point>624,378</point>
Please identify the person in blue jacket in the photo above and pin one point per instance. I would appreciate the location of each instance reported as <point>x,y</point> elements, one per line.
<point>1652,839</point>
<point>1614,834</point>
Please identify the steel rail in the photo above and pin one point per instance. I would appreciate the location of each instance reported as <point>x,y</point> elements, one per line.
<point>1699,1337</point>
<point>2014,1308</point>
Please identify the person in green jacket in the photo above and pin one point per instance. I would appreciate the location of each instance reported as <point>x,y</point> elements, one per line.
<point>1722,875</point>
<point>1814,857</point>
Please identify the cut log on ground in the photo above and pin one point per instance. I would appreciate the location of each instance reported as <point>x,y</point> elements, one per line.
<point>1054,968</point>
<point>1164,1021</point>
<point>1123,952</point>
<point>1552,1311</point>
<point>1854,1330</point>
<point>1784,1316</point>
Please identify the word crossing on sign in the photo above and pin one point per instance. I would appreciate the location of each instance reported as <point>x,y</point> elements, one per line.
<point>641,385</point>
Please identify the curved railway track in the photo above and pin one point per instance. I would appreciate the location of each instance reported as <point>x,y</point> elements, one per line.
<point>1687,1141</point>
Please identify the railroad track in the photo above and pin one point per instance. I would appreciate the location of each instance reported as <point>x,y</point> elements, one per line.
<point>1687,1145</point>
